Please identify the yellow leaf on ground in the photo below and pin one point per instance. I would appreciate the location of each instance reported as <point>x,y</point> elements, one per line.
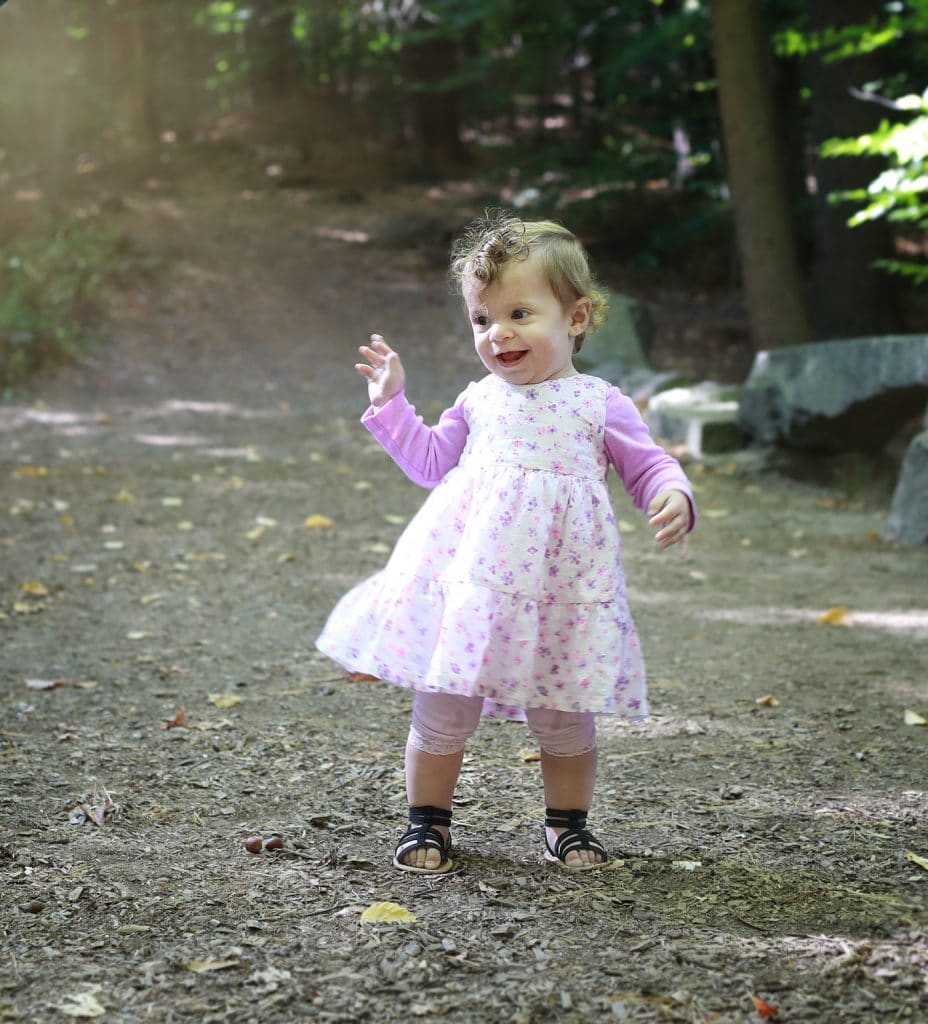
<point>318,522</point>
<point>27,607</point>
<point>35,588</point>
<point>123,498</point>
<point>257,533</point>
<point>386,913</point>
<point>913,858</point>
<point>224,700</point>
<point>913,718</point>
<point>199,966</point>
<point>530,754</point>
<point>769,701</point>
<point>24,471</point>
<point>837,616</point>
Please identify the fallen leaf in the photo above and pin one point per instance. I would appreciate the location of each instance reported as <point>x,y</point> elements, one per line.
<point>910,717</point>
<point>394,519</point>
<point>763,1008</point>
<point>386,913</point>
<point>136,634</point>
<point>686,865</point>
<point>530,754</point>
<point>218,723</point>
<point>318,522</point>
<point>363,485</point>
<point>186,526</point>
<point>35,589</point>
<point>82,1004</point>
<point>172,502</point>
<point>44,684</point>
<point>769,701</point>
<point>151,598</point>
<point>123,498</point>
<point>265,521</point>
<point>715,513</point>
<point>378,548</point>
<point>179,720</point>
<point>257,533</point>
<point>199,966</point>
<point>27,607</point>
<point>361,677</point>
<point>27,471</point>
<point>838,616</point>
<point>224,700</point>
<point>913,858</point>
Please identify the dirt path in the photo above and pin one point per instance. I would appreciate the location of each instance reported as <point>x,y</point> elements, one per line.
<point>155,555</point>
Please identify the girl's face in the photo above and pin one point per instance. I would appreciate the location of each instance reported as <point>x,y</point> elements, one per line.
<point>522,333</point>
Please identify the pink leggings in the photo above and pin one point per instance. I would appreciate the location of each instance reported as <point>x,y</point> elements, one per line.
<point>442,723</point>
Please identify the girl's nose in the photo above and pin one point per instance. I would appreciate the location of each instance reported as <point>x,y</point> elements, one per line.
<point>499,331</point>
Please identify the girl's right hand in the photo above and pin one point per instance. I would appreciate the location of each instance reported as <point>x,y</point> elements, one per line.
<point>383,370</point>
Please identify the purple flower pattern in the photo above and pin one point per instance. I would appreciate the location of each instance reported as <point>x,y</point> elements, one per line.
<point>508,583</point>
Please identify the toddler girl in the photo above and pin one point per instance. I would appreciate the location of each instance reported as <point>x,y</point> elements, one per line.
<point>505,594</point>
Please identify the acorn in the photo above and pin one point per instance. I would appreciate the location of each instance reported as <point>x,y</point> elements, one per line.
<point>274,843</point>
<point>253,844</point>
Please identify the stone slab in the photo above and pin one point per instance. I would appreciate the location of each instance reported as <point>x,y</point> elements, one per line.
<point>835,396</point>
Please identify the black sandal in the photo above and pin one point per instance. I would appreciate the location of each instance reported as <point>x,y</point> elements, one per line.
<point>422,836</point>
<point>577,837</point>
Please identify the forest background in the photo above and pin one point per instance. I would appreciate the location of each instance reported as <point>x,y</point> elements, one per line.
<point>651,127</point>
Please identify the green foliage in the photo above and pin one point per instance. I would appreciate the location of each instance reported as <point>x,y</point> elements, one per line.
<point>48,290</point>
<point>900,193</point>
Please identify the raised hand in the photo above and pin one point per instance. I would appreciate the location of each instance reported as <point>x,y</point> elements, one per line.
<point>383,370</point>
<point>670,510</point>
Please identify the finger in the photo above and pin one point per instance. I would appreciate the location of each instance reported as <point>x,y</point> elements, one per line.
<point>376,358</point>
<point>378,342</point>
<point>366,371</point>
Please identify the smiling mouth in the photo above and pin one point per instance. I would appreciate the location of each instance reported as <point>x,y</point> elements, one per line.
<point>510,358</point>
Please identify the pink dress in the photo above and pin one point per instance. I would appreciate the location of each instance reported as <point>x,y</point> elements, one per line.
<point>508,582</point>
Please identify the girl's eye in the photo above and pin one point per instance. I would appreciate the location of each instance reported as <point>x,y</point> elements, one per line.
<point>480,321</point>
<point>519,314</point>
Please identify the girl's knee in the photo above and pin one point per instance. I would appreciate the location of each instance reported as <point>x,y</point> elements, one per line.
<point>442,723</point>
<point>563,733</point>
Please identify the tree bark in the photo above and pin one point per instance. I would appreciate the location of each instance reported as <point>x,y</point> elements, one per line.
<point>772,280</point>
<point>851,298</point>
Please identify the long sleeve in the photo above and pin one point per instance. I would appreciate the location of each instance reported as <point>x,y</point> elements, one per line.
<point>425,454</point>
<point>643,466</point>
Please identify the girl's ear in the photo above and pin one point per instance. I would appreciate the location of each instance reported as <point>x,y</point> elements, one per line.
<point>580,315</point>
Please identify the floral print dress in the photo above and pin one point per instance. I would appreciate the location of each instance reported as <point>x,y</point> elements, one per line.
<point>508,582</point>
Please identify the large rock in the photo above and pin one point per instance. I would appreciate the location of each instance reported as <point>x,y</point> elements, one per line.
<point>834,396</point>
<point>908,514</point>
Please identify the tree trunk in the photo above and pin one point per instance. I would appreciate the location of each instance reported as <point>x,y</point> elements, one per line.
<point>436,116</point>
<point>773,284</point>
<point>851,298</point>
<point>134,104</point>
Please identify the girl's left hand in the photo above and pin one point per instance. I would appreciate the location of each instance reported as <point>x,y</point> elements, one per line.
<point>670,510</point>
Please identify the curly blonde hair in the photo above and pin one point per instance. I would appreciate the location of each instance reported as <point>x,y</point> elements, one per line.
<point>496,239</point>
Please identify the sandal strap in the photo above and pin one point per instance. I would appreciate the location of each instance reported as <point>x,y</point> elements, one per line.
<point>577,837</point>
<point>565,819</point>
<point>422,835</point>
<point>428,815</point>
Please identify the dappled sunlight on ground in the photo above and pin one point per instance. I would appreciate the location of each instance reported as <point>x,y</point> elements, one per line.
<point>912,623</point>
